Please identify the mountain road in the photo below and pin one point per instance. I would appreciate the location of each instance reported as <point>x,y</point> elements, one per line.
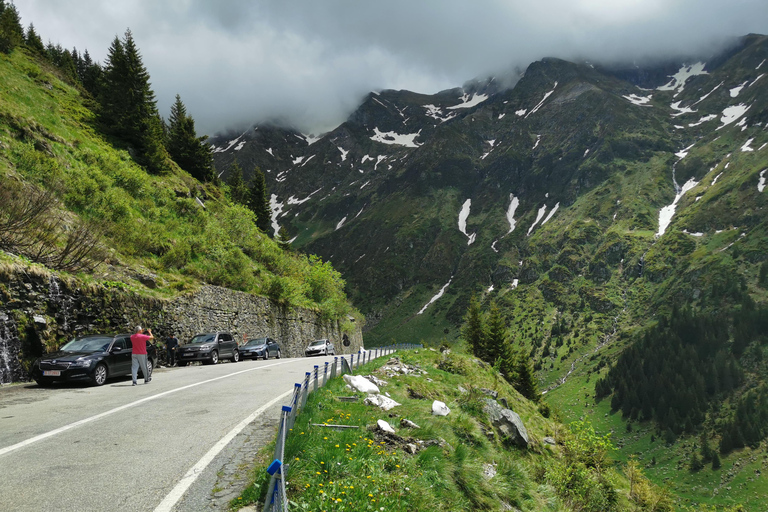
<point>160,446</point>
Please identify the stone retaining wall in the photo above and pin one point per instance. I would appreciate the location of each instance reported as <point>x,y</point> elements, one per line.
<point>40,311</point>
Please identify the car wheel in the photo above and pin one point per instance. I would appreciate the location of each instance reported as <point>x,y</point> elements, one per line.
<point>266,354</point>
<point>182,363</point>
<point>235,356</point>
<point>43,384</point>
<point>214,357</point>
<point>278,354</point>
<point>150,367</point>
<point>100,374</point>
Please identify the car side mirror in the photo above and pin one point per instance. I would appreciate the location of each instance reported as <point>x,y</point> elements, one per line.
<point>114,349</point>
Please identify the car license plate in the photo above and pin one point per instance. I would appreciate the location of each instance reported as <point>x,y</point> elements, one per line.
<point>52,373</point>
<point>187,355</point>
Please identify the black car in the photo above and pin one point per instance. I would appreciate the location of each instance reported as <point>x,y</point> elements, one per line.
<point>94,358</point>
<point>209,348</point>
<point>260,347</point>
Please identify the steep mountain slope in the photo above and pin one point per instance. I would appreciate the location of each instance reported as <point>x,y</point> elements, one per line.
<point>564,182</point>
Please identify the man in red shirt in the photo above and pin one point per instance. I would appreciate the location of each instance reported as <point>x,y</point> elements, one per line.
<point>139,354</point>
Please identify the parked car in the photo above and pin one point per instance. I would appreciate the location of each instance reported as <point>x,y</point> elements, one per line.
<point>260,347</point>
<point>94,358</point>
<point>209,348</point>
<point>320,348</point>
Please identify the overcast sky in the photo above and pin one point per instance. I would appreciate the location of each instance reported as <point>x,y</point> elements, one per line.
<point>309,62</point>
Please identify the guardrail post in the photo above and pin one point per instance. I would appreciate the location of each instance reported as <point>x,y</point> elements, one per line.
<point>352,363</point>
<point>316,370</point>
<point>333,368</point>
<point>305,390</point>
<point>325,374</point>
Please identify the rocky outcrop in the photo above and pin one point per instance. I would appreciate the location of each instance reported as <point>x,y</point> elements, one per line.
<point>508,423</point>
<point>39,311</point>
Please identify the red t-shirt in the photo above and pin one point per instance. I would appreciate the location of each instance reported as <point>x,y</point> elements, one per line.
<point>139,343</point>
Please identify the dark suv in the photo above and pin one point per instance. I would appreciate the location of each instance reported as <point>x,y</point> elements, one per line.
<point>209,348</point>
<point>92,358</point>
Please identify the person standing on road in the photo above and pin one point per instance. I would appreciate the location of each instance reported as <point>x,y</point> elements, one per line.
<point>170,347</point>
<point>139,354</point>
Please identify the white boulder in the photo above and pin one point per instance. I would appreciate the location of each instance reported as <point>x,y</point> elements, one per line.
<point>360,383</point>
<point>440,409</point>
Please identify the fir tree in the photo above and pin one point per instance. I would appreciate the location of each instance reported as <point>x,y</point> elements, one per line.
<point>499,348</point>
<point>238,190</point>
<point>715,461</point>
<point>258,201</point>
<point>128,104</point>
<point>11,31</point>
<point>525,378</point>
<point>473,331</point>
<point>185,147</point>
<point>33,41</point>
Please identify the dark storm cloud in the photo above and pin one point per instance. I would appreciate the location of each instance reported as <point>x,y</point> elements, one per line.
<point>308,62</point>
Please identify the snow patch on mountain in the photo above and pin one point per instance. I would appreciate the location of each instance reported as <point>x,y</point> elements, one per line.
<point>736,90</point>
<point>366,158</point>
<point>684,152</point>
<point>436,112</point>
<point>537,107</point>
<point>307,160</point>
<point>277,209</point>
<point>640,101</point>
<point>551,213</point>
<point>297,160</point>
<point>436,297</point>
<point>311,139</point>
<point>756,79</point>
<point>469,102</point>
<point>761,181</point>
<point>539,215</point>
<point>269,150</point>
<point>666,213</point>
<point>703,120</point>
<point>229,146</point>
<point>732,113</point>
<point>343,153</point>
<point>746,145</point>
<point>681,110</point>
<point>707,95</point>
<point>716,178</point>
<point>521,112</point>
<point>538,139</point>
<point>463,215</point>
<point>501,116</point>
<point>379,159</point>
<point>341,223</point>
<point>294,200</point>
<point>514,284</point>
<point>407,140</point>
<point>677,82</point>
<point>240,145</point>
<point>513,204</point>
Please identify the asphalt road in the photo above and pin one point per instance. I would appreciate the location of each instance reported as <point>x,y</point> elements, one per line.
<point>158,447</point>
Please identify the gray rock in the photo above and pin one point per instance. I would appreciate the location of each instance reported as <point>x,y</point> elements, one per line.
<point>489,392</point>
<point>408,424</point>
<point>550,441</point>
<point>440,409</point>
<point>384,426</point>
<point>508,423</point>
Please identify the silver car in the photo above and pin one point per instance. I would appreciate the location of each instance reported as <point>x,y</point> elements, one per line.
<point>320,348</point>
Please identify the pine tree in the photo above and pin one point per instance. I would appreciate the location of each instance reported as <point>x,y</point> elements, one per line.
<point>92,73</point>
<point>129,110</point>
<point>11,31</point>
<point>525,377</point>
<point>185,147</point>
<point>258,201</point>
<point>238,190</point>
<point>473,331</point>
<point>498,346</point>
<point>33,41</point>
<point>715,461</point>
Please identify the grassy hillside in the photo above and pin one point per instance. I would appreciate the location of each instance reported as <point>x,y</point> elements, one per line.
<point>156,234</point>
<point>471,465</point>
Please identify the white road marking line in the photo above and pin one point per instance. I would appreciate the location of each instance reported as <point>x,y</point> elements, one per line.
<point>32,440</point>
<point>195,471</point>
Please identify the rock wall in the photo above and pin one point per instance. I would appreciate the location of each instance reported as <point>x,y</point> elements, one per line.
<point>39,311</point>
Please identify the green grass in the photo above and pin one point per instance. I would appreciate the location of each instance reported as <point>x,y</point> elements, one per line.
<point>148,224</point>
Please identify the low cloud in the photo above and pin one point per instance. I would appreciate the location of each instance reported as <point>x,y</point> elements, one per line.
<point>308,63</point>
